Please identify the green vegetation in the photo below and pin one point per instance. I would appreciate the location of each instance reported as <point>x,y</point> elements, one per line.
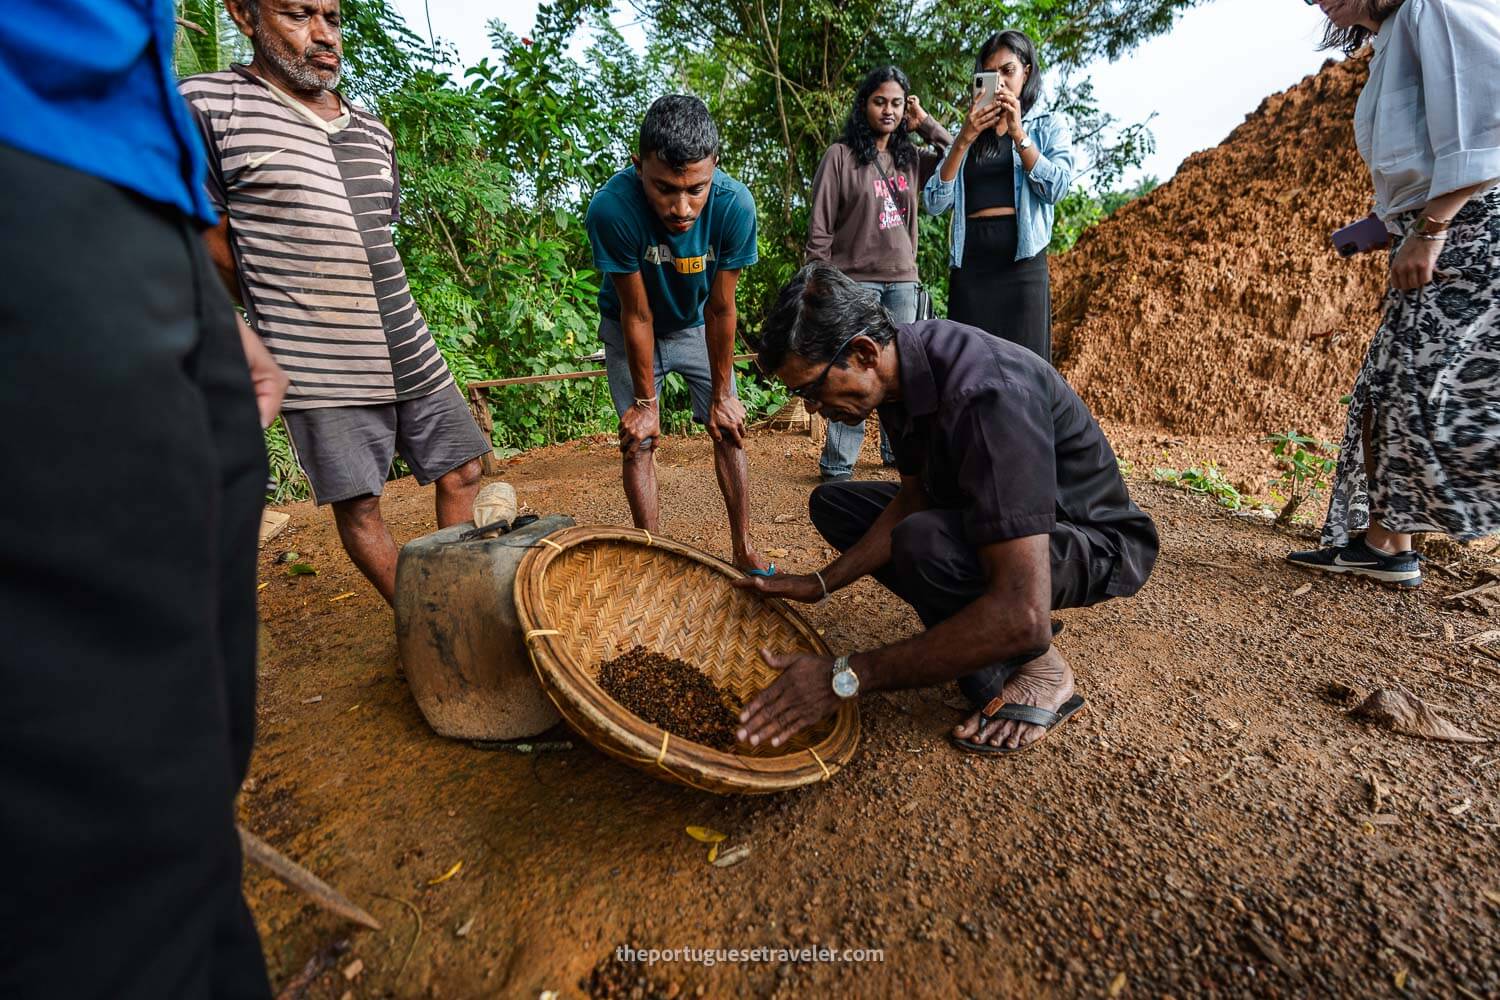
<point>1207,481</point>
<point>498,160</point>
<point>1308,464</point>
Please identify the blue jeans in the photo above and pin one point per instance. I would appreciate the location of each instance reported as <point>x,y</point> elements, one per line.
<point>841,450</point>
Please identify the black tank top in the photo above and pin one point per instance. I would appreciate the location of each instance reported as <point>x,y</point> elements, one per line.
<point>991,182</point>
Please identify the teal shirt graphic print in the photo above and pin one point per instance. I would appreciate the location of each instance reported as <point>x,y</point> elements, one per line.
<point>677,268</point>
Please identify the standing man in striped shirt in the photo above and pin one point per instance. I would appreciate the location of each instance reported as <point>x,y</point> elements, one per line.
<point>307,186</point>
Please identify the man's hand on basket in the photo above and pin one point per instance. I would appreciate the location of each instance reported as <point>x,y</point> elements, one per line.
<point>800,697</point>
<point>805,588</point>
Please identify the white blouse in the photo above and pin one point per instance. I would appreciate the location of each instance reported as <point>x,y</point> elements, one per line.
<point>1428,120</point>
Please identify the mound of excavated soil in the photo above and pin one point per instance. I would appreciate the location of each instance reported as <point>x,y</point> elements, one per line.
<point>1216,303</point>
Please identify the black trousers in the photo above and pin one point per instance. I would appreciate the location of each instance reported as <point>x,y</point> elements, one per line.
<point>135,471</point>
<point>1009,298</point>
<point>937,571</point>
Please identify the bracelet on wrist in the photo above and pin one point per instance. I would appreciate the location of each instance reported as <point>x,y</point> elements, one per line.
<point>646,403</point>
<point>822,583</point>
<point>1427,227</point>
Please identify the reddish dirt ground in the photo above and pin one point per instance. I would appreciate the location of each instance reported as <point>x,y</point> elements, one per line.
<point>1206,827</point>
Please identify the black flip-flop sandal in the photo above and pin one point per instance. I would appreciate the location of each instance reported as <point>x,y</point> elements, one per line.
<point>996,710</point>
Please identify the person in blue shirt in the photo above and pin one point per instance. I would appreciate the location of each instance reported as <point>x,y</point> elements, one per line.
<point>1010,165</point>
<point>670,234</point>
<point>135,476</point>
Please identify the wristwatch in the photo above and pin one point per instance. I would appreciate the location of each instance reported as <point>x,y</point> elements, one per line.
<point>845,681</point>
<point>1024,144</point>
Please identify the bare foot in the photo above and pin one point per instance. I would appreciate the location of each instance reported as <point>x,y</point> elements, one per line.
<point>1045,682</point>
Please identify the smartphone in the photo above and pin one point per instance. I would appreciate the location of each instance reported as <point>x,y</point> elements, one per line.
<point>987,87</point>
<point>1363,236</point>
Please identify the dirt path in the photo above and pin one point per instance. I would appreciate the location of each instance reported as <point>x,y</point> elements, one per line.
<point>1207,827</point>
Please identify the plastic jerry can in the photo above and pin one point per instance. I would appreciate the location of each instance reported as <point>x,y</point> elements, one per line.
<point>460,643</point>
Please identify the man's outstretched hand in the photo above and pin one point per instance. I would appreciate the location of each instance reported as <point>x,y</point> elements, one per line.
<point>804,588</point>
<point>800,697</point>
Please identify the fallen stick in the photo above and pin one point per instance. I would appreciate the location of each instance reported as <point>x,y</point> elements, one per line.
<point>1483,588</point>
<point>510,746</point>
<point>301,879</point>
<point>1268,948</point>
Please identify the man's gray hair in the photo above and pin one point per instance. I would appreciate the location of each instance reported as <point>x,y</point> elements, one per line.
<point>818,312</point>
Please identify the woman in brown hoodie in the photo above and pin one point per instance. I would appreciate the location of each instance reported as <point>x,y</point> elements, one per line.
<point>864,214</point>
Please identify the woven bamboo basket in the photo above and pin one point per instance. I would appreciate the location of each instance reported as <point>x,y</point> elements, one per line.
<point>585,595</point>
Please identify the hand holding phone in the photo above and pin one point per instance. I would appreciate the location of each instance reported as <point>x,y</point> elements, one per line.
<point>984,113</point>
<point>1363,236</point>
<point>986,88</point>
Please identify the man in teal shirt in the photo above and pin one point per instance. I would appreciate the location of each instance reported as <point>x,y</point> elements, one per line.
<point>670,234</point>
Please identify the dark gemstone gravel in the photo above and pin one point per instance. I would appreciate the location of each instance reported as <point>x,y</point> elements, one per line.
<point>672,695</point>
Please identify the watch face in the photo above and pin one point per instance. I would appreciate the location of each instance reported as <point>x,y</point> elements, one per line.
<point>845,684</point>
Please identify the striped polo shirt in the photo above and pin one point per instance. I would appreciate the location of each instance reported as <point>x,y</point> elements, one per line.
<point>310,206</point>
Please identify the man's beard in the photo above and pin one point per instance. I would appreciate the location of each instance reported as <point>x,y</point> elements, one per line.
<point>299,70</point>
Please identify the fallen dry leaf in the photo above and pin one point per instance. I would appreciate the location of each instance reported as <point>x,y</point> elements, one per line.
<point>1117,984</point>
<point>263,586</point>
<point>705,835</point>
<point>353,969</point>
<point>447,874</point>
<point>776,553</point>
<point>733,856</point>
<point>713,852</point>
<point>1401,712</point>
<point>783,518</point>
<point>313,700</point>
<point>344,596</point>
<point>1400,978</point>
<point>1306,588</point>
<point>465,927</point>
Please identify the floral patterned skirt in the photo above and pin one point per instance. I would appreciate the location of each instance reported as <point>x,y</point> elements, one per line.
<point>1431,385</point>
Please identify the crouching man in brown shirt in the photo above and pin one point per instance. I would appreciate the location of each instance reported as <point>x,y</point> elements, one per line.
<point>1010,505</point>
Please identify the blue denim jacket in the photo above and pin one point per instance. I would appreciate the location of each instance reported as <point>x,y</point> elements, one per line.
<point>1036,193</point>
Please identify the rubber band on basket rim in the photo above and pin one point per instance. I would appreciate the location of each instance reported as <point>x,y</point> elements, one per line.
<point>538,632</point>
<point>548,541</point>
<point>661,754</point>
<point>649,540</point>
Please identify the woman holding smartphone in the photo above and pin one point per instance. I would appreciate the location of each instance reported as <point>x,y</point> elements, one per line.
<point>1010,165</point>
<point>1421,447</point>
<point>864,215</point>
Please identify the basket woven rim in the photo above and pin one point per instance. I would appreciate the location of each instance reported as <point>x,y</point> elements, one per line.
<point>627,736</point>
